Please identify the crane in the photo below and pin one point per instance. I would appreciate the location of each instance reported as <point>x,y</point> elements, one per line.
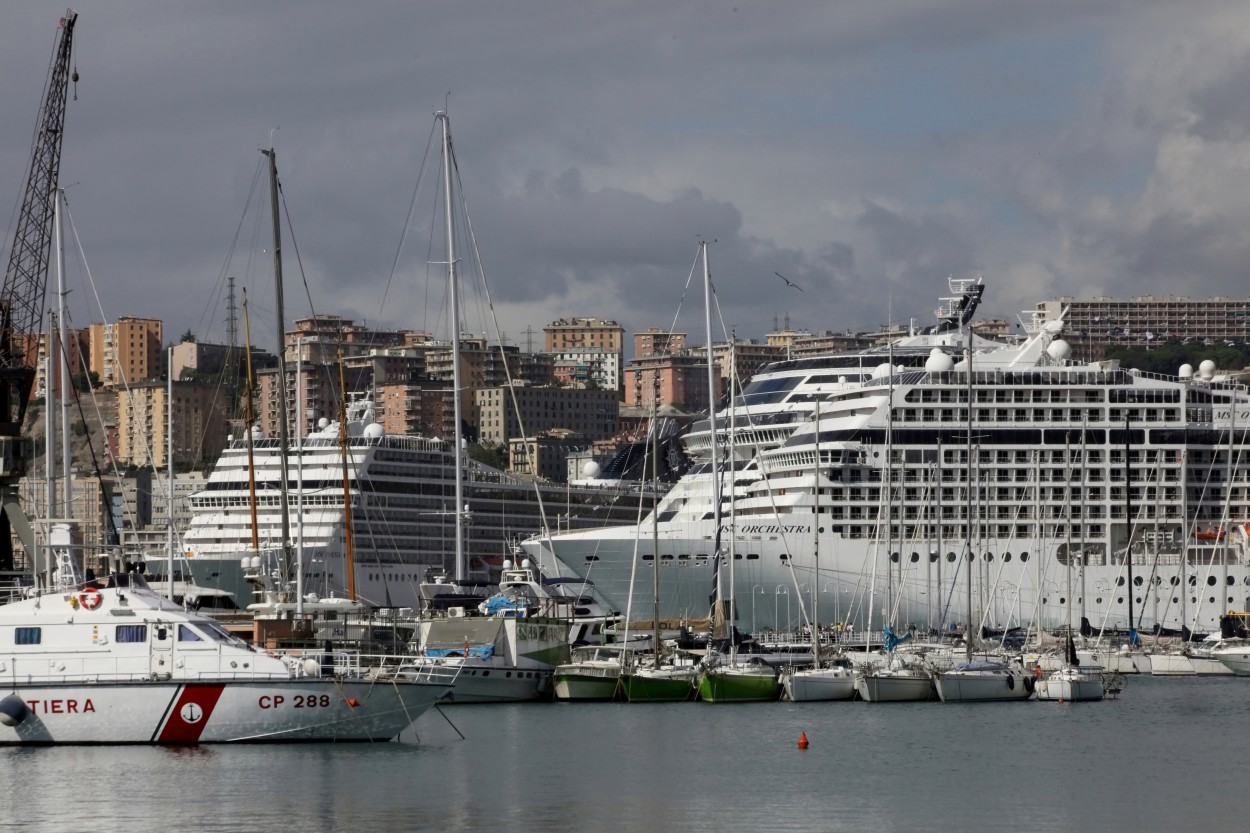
<point>22,295</point>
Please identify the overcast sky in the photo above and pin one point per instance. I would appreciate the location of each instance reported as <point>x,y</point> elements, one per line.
<point>866,150</point>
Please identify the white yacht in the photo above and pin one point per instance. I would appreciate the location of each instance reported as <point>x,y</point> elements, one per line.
<point>1129,476</point>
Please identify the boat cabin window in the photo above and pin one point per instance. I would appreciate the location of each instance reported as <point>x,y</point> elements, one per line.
<point>217,633</point>
<point>186,634</point>
<point>132,633</point>
<point>27,636</point>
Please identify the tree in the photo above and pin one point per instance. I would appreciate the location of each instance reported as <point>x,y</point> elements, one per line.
<point>494,457</point>
<point>187,337</point>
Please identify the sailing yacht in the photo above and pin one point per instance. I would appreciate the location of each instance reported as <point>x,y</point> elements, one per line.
<point>662,677</point>
<point>507,652</point>
<point>824,680</point>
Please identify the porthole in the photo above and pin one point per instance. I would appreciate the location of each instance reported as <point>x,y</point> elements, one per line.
<point>1098,601</point>
<point>1211,582</point>
<point>1024,556</point>
<point>1120,600</point>
<point>933,556</point>
<point>1175,581</point>
<point>1062,601</point>
<point>1119,582</point>
<point>1006,557</point>
<point>989,556</point>
<point>1137,581</point>
<point>950,557</point>
<point>894,558</point>
<point>1231,581</point>
<point>915,557</point>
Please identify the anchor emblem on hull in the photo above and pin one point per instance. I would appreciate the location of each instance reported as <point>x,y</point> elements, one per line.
<point>192,713</point>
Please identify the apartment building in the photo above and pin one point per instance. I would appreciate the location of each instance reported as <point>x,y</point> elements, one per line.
<point>1094,325</point>
<point>199,424</point>
<point>128,351</point>
<point>593,413</point>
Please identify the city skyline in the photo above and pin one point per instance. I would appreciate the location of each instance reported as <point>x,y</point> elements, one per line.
<point>863,153</point>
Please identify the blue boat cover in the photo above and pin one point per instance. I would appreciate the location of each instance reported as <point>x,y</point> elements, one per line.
<point>480,651</point>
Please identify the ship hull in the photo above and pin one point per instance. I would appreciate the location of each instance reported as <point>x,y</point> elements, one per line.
<point>230,711</point>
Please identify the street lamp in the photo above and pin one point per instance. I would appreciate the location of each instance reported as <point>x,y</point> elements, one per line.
<point>760,588</point>
<point>777,594</point>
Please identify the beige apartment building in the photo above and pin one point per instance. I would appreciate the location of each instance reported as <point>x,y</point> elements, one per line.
<point>127,351</point>
<point>1094,325</point>
<point>593,413</point>
<point>199,424</point>
<point>578,337</point>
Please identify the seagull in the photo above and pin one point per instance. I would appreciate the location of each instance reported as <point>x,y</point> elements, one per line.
<point>789,282</point>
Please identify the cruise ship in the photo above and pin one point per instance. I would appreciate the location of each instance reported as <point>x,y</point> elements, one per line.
<point>402,519</point>
<point>1087,494</point>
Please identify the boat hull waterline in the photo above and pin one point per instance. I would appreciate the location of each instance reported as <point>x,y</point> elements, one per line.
<point>176,713</point>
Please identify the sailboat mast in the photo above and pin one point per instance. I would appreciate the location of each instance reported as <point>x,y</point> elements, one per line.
<point>816,546</point>
<point>971,559</point>
<point>655,533</point>
<point>284,430</point>
<point>248,417</point>
<point>454,295</point>
<point>711,418</point>
<point>1128,521</point>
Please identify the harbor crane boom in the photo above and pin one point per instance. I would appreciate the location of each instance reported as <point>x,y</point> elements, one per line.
<point>22,296</point>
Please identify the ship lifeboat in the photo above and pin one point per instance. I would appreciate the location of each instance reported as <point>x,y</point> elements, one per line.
<point>1212,534</point>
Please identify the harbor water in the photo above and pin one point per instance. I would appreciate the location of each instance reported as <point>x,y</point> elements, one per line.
<point>1167,756</point>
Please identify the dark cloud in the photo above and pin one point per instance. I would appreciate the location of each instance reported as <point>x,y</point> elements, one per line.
<point>866,151</point>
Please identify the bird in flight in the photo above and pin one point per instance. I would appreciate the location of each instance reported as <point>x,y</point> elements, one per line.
<point>789,282</point>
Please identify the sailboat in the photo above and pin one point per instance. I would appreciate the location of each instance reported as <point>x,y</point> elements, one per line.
<point>903,676</point>
<point>727,678</point>
<point>836,679</point>
<point>1072,682</point>
<point>985,679</point>
<point>508,652</point>
<point>657,679</point>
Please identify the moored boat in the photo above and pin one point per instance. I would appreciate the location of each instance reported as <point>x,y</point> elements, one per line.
<point>114,662</point>
<point>982,681</point>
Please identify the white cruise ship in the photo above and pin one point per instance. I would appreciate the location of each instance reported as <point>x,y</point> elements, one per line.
<point>401,491</point>
<point>882,488</point>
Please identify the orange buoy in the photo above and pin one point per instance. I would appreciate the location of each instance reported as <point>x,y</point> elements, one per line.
<point>802,740</point>
<point>352,702</point>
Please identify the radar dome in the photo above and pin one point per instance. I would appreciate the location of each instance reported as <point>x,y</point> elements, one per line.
<point>323,422</point>
<point>1059,350</point>
<point>1207,369</point>
<point>591,470</point>
<point>881,371</point>
<point>1186,371</point>
<point>374,430</point>
<point>938,362</point>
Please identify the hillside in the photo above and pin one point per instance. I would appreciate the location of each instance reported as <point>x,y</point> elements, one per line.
<point>87,418</point>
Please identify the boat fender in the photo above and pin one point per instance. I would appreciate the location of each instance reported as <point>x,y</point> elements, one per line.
<point>1028,684</point>
<point>13,710</point>
<point>1011,682</point>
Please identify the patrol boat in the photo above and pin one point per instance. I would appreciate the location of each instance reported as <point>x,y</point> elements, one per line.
<point>113,662</point>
